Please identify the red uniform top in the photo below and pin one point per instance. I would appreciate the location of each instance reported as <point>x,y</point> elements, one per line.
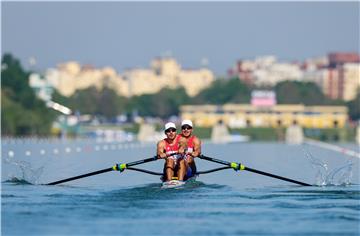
<point>190,144</point>
<point>172,148</point>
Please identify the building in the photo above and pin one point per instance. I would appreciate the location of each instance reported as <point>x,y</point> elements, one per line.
<point>329,82</point>
<point>246,115</point>
<point>163,72</point>
<point>263,98</point>
<point>166,72</point>
<point>195,80</point>
<point>350,77</point>
<point>265,71</point>
<point>341,82</point>
<point>243,70</point>
<point>338,76</point>
<point>341,79</point>
<point>277,72</point>
<point>340,58</point>
<point>143,81</point>
<point>43,89</point>
<point>71,76</point>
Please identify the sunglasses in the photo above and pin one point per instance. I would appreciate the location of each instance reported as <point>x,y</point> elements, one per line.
<point>170,130</point>
<point>186,127</point>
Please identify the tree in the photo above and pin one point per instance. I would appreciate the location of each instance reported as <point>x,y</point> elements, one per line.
<point>354,107</point>
<point>110,104</point>
<point>162,104</point>
<point>22,112</point>
<point>168,101</point>
<point>293,92</point>
<point>85,101</point>
<point>104,102</point>
<point>224,91</point>
<point>57,97</point>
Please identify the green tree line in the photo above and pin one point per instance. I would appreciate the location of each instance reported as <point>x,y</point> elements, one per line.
<point>22,113</point>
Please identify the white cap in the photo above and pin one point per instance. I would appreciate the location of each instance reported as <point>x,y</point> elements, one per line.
<point>170,125</point>
<point>187,122</point>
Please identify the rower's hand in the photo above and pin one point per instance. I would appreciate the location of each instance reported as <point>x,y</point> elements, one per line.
<point>181,150</point>
<point>162,156</point>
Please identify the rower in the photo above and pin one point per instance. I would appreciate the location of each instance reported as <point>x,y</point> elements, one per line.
<point>168,149</point>
<point>193,147</point>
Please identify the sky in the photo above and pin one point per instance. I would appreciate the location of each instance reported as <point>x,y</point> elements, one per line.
<point>125,35</point>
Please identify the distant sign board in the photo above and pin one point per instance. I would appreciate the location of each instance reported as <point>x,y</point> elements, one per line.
<point>263,98</point>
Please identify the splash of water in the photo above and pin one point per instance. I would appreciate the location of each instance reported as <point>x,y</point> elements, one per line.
<point>341,175</point>
<point>327,177</point>
<point>27,175</point>
<point>321,168</point>
<point>17,181</point>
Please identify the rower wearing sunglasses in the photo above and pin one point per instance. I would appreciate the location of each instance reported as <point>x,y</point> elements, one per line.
<point>192,149</point>
<point>170,150</point>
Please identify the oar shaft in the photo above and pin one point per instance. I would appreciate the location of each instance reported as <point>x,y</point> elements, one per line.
<point>103,171</point>
<point>254,170</point>
<point>276,176</point>
<point>145,171</point>
<point>81,176</point>
<point>215,160</point>
<point>212,170</point>
<point>142,161</point>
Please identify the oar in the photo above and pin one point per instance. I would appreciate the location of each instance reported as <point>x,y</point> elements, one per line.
<point>239,166</point>
<point>117,167</point>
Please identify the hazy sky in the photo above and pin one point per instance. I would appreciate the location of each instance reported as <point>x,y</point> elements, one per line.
<point>126,35</point>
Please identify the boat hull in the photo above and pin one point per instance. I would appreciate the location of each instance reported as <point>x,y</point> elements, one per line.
<point>173,184</point>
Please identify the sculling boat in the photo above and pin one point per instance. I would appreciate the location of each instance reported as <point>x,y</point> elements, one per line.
<point>176,183</point>
<point>173,184</point>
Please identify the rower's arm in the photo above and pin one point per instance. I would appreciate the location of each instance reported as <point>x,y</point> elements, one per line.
<point>197,148</point>
<point>182,145</point>
<point>161,150</point>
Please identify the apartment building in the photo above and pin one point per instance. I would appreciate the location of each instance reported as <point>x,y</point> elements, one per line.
<point>166,72</point>
<point>71,76</point>
<point>144,81</point>
<point>163,72</point>
<point>341,82</point>
<point>265,71</point>
<point>350,74</point>
<point>337,74</point>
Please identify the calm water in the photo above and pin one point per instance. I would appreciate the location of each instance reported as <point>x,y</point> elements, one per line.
<point>132,203</point>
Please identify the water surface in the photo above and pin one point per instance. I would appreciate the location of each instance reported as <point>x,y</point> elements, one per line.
<point>133,203</point>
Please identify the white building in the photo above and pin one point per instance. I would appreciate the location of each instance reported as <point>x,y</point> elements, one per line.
<point>43,89</point>
<point>269,72</point>
<point>163,72</point>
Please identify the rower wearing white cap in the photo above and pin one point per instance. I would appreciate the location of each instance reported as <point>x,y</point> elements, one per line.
<point>168,149</point>
<point>193,147</point>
